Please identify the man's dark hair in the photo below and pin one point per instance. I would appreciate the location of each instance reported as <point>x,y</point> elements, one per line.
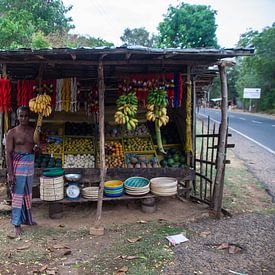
<point>22,108</point>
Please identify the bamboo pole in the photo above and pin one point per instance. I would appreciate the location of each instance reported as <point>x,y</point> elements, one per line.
<point>188,130</point>
<point>98,230</point>
<point>219,181</point>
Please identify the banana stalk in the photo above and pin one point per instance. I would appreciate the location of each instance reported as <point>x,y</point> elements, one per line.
<point>158,137</point>
<point>37,129</point>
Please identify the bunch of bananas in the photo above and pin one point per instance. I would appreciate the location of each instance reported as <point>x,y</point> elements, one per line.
<point>156,106</point>
<point>41,104</point>
<point>127,106</point>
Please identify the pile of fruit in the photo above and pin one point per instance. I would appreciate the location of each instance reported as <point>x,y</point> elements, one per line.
<point>114,162</point>
<point>55,148</point>
<point>141,130</point>
<point>75,145</point>
<point>47,161</point>
<point>141,161</point>
<point>79,161</point>
<point>127,106</point>
<point>174,158</point>
<point>113,148</point>
<point>137,144</point>
<point>112,131</point>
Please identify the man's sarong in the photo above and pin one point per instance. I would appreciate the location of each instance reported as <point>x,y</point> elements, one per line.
<point>23,166</point>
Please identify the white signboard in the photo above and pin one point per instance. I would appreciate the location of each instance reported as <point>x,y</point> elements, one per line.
<point>251,93</point>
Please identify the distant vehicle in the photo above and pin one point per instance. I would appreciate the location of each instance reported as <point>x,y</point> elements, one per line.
<point>215,102</point>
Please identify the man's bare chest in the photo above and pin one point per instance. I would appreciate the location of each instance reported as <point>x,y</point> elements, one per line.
<point>21,138</point>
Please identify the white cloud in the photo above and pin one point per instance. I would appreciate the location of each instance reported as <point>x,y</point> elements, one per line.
<point>107,19</point>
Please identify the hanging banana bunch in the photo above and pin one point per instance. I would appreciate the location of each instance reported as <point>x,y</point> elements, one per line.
<point>41,104</point>
<point>127,106</point>
<point>157,112</point>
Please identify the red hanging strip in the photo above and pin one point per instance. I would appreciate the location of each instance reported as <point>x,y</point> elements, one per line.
<point>5,95</point>
<point>19,91</point>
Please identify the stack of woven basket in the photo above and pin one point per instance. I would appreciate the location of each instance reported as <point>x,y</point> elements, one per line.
<point>164,186</point>
<point>51,189</point>
<point>90,192</point>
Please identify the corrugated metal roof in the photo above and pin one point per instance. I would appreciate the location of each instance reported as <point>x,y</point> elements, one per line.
<point>83,62</point>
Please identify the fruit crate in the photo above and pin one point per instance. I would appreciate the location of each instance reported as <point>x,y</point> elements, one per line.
<point>77,160</point>
<point>138,145</point>
<point>115,161</point>
<point>114,147</point>
<point>141,160</point>
<point>53,145</point>
<point>79,145</point>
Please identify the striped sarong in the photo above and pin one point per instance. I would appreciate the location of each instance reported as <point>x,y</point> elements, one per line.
<point>23,166</point>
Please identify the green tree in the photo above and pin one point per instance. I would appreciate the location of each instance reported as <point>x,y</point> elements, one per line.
<point>20,20</point>
<point>258,71</point>
<point>137,36</point>
<point>76,41</point>
<point>188,26</point>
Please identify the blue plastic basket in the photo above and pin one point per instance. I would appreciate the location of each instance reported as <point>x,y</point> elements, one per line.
<point>113,195</point>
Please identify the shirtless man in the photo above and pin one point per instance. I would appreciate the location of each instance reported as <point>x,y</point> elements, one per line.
<point>20,149</point>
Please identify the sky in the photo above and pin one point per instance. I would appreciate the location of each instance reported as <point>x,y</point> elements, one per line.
<point>107,19</point>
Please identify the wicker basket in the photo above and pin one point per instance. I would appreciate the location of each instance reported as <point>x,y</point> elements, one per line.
<point>51,189</point>
<point>164,186</point>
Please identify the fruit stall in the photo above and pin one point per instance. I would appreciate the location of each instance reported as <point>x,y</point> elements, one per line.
<point>109,114</point>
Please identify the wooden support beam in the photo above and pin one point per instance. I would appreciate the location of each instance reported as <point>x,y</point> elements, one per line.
<point>4,75</point>
<point>219,179</point>
<point>103,170</point>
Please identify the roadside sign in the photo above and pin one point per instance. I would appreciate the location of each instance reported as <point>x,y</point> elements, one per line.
<point>251,93</point>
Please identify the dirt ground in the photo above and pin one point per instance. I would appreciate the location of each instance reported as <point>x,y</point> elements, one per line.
<point>135,242</point>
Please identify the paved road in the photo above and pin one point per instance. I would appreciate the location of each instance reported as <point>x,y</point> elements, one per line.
<point>259,129</point>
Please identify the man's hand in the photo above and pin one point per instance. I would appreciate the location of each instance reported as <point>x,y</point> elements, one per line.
<point>36,148</point>
<point>11,179</point>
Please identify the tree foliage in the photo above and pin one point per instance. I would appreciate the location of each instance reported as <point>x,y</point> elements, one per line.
<point>20,20</point>
<point>137,36</point>
<point>188,26</point>
<point>76,41</point>
<point>258,71</point>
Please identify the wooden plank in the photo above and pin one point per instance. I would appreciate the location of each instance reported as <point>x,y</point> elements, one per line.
<point>81,200</point>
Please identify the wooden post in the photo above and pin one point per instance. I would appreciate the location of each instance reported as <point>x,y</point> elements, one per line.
<point>219,179</point>
<point>4,75</point>
<point>188,131</point>
<point>98,230</point>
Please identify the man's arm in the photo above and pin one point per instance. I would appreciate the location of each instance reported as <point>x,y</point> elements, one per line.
<point>9,151</point>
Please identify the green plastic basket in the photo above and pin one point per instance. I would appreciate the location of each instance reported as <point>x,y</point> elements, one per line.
<point>136,182</point>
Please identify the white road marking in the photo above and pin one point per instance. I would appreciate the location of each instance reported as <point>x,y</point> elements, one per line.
<point>242,118</point>
<point>245,136</point>
<point>272,125</point>
<point>255,121</point>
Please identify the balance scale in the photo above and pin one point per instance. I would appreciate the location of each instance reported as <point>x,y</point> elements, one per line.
<point>72,189</point>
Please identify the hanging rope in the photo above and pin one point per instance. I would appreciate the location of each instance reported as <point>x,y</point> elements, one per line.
<point>58,98</point>
<point>73,95</point>
<point>66,94</point>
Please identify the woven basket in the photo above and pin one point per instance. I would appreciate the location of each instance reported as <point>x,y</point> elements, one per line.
<point>51,189</point>
<point>164,186</point>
